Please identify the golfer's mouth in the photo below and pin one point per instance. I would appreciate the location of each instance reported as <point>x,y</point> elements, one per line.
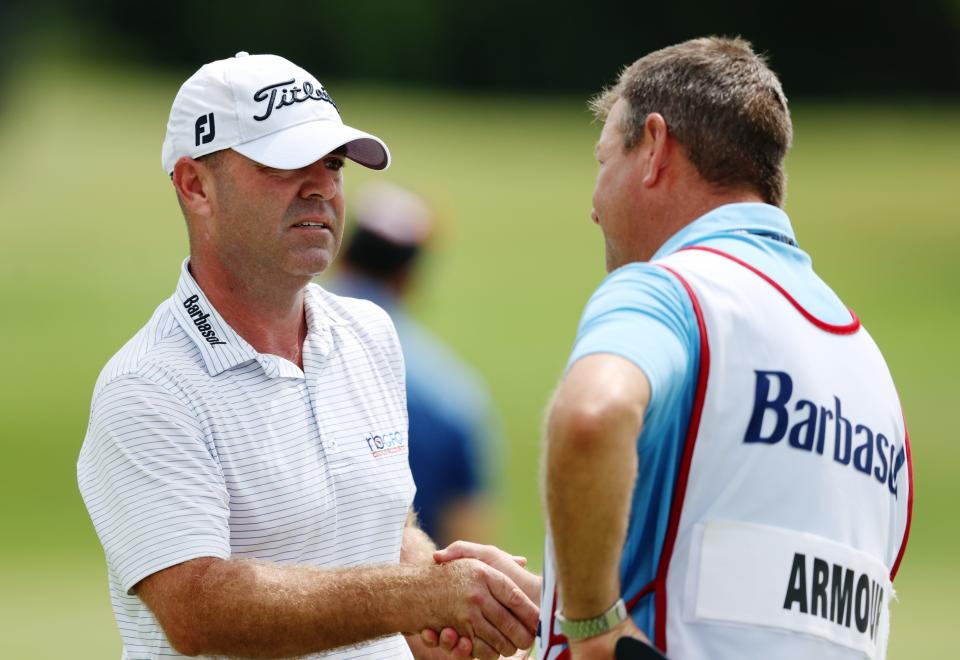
<point>312,224</point>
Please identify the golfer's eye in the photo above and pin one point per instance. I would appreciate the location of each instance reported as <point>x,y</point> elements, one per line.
<point>271,170</point>
<point>335,163</point>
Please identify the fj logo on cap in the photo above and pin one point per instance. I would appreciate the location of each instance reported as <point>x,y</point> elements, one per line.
<point>204,129</point>
<point>289,96</point>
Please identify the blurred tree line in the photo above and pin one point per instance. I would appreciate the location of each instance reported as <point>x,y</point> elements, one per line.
<point>841,48</point>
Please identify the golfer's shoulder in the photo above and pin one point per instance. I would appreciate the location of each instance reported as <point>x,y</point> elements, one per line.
<point>160,353</point>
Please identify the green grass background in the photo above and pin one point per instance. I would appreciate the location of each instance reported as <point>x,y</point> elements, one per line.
<point>92,240</point>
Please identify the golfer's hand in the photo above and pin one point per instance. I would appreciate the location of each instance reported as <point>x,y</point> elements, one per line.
<point>510,565</point>
<point>480,603</point>
<point>460,648</point>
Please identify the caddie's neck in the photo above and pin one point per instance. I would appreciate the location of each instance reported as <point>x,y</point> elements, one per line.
<point>685,198</point>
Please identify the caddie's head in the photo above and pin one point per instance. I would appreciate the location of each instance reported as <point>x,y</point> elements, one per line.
<point>255,148</point>
<point>705,118</point>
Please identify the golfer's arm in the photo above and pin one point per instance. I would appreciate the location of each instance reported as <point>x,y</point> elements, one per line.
<point>232,607</point>
<point>255,609</point>
<point>416,547</point>
<point>591,465</point>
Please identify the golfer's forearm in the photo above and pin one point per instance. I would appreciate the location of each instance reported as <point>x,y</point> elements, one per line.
<point>416,546</point>
<point>259,610</point>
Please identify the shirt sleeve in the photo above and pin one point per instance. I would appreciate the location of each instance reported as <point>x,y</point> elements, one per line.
<point>642,313</point>
<point>153,489</point>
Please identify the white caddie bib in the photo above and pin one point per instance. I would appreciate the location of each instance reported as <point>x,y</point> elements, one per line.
<point>792,503</point>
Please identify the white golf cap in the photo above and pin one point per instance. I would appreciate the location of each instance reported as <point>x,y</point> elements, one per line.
<point>266,108</point>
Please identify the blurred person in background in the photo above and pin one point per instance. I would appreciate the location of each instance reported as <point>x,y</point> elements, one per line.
<point>452,421</point>
<point>245,463</point>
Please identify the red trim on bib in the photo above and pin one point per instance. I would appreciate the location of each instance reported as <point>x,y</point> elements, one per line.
<point>555,639</point>
<point>676,507</point>
<point>845,329</point>
<point>906,529</point>
<point>647,589</point>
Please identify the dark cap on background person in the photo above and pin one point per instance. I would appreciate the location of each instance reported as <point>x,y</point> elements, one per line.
<point>267,109</point>
<point>392,225</point>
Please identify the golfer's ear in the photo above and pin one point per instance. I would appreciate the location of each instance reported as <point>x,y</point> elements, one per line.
<point>194,184</point>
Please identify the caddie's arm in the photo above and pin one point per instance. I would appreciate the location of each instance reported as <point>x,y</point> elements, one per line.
<point>591,466</point>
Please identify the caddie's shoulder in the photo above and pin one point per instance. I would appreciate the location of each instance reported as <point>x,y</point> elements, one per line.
<point>638,286</point>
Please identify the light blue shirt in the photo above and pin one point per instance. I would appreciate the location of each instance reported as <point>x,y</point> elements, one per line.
<point>642,313</point>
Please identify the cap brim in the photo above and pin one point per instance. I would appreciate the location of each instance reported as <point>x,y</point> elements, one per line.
<point>303,144</point>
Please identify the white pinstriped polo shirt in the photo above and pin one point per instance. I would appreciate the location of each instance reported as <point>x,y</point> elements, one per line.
<point>198,446</point>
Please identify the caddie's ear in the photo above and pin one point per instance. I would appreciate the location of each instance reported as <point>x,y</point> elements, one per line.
<point>656,135</point>
<point>195,186</point>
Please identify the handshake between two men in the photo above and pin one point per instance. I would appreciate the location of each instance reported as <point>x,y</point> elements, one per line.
<point>502,608</point>
<point>495,604</point>
<point>466,601</point>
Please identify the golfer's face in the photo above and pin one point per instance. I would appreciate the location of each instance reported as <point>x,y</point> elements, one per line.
<point>282,222</point>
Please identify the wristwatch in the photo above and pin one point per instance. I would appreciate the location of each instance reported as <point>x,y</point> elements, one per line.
<point>577,629</point>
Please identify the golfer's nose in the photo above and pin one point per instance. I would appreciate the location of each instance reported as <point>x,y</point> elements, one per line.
<point>321,181</point>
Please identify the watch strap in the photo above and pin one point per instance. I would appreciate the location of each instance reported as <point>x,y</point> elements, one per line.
<point>577,629</point>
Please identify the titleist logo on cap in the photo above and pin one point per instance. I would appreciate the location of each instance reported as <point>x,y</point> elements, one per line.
<point>289,96</point>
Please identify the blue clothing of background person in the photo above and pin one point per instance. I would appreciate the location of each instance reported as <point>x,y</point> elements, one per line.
<point>451,415</point>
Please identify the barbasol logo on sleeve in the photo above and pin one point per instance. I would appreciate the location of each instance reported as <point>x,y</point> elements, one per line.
<point>199,319</point>
<point>820,429</point>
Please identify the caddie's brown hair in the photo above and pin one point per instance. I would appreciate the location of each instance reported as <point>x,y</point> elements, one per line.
<point>720,101</point>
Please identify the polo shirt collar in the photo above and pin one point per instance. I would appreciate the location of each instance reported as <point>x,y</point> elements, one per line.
<point>221,347</point>
<point>743,216</point>
<point>321,319</point>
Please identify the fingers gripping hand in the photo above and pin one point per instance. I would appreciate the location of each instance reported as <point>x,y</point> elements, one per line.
<point>457,647</point>
<point>486,606</point>
<point>510,565</point>
<point>448,641</point>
